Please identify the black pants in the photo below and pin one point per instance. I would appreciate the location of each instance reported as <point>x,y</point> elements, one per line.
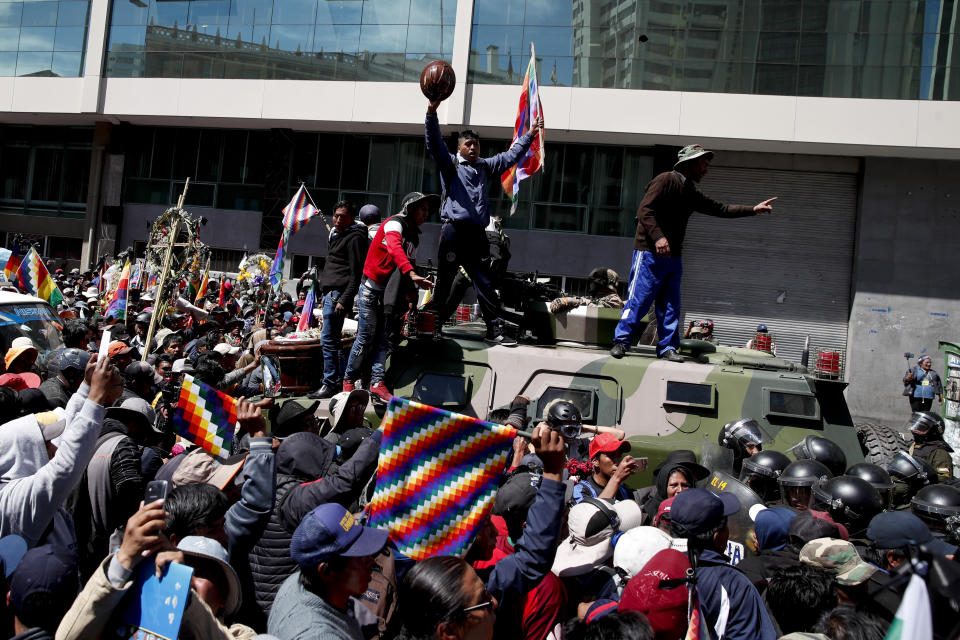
<point>920,404</point>
<point>464,244</point>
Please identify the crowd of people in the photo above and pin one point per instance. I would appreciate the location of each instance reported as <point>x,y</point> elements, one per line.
<point>276,539</point>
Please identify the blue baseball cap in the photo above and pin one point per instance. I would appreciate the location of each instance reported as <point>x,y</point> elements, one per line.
<point>898,529</point>
<point>330,530</point>
<point>12,548</point>
<point>698,510</point>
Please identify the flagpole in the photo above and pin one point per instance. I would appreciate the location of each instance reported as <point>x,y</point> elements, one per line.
<point>161,304</point>
<point>319,212</point>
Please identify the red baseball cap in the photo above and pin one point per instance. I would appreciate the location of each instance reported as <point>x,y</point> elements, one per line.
<point>607,443</point>
<point>664,508</point>
<point>665,609</point>
<point>117,348</point>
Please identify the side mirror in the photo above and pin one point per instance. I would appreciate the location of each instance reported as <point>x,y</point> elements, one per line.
<point>270,368</point>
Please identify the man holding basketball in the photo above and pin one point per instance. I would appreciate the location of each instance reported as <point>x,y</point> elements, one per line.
<point>465,213</point>
<point>670,199</point>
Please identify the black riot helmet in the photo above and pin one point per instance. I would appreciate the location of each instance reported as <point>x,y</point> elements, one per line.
<point>936,504</point>
<point>767,463</point>
<point>822,450</point>
<point>797,480</point>
<point>564,416</point>
<point>911,470</point>
<point>927,424</point>
<point>876,476</point>
<point>761,471</point>
<point>736,435</point>
<point>849,500</point>
<point>143,318</point>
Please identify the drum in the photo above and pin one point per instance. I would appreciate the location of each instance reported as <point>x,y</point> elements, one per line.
<point>298,360</point>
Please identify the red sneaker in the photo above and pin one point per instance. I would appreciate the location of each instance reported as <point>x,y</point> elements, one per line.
<point>380,390</point>
<point>348,385</point>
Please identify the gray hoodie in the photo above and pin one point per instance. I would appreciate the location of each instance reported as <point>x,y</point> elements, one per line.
<point>34,487</point>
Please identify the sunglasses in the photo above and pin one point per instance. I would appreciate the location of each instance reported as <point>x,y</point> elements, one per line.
<point>477,607</point>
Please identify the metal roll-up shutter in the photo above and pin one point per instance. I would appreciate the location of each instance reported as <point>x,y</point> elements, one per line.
<point>789,270</point>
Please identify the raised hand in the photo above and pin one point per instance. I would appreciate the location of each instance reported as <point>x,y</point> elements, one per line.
<point>765,206</point>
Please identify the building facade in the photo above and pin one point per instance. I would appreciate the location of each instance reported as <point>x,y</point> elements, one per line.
<point>845,109</point>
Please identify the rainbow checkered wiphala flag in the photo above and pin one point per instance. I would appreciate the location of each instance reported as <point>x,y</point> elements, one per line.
<point>205,417</point>
<point>436,478</point>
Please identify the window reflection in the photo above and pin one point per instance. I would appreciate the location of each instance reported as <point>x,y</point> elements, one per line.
<point>780,47</point>
<point>42,38</point>
<point>377,40</point>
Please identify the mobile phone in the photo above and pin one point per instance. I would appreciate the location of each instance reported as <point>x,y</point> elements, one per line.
<point>156,490</point>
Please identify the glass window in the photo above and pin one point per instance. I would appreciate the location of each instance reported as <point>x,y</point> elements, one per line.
<point>288,37</point>
<point>556,217</point>
<point>67,63</point>
<point>498,11</point>
<point>387,39</point>
<point>209,12</point>
<point>339,12</point>
<point>804,406</point>
<point>69,39</point>
<point>76,175</point>
<point>337,38</point>
<point>72,14</point>
<point>169,13</point>
<point>39,14</point>
<point>47,175</point>
<point>386,12</point>
<point>294,11</point>
<point>234,155</point>
<point>14,164</point>
<point>688,393</point>
<point>37,38</point>
<point>9,39</point>
<point>34,63</point>
<point>8,63</point>
<point>441,390</point>
<point>10,13</point>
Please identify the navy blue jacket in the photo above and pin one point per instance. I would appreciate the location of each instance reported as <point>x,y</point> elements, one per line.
<point>533,555</point>
<point>465,184</point>
<point>745,612</point>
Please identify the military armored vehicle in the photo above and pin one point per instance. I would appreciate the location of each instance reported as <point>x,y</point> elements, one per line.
<point>660,405</point>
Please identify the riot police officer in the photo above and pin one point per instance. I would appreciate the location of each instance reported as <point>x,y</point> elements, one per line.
<point>744,437</point>
<point>797,480</point>
<point>761,471</point>
<point>928,445</point>
<point>939,507</point>
<point>876,476</point>
<point>824,451</point>
<point>909,475</point>
<point>850,501</point>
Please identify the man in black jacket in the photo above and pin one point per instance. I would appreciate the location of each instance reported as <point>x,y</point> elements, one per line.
<point>339,282</point>
<point>670,199</point>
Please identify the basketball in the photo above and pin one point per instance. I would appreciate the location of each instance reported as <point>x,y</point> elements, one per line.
<point>437,80</point>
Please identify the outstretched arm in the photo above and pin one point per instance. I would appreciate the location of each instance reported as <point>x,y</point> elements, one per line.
<point>502,161</point>
<point>435,144</point>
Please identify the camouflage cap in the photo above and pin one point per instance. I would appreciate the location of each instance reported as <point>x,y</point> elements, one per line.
<point>691,152</point>
<point>837,556</point>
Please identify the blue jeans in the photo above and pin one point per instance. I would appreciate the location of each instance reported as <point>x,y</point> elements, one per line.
<point>653,279</point>
<point>370,342</point>
<point>330,336</point>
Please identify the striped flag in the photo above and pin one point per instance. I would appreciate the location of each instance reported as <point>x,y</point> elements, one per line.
<point>135,274</point>
<point>295,216</point>
<point>528,112</point>
<point>436,478</point>
<point>306,313</point>
<point>13,263</point>
<point>205,416</point>
<point>202,288</point>
<point>913,619</point>
<point>117,306</point>
<point>35,279</point>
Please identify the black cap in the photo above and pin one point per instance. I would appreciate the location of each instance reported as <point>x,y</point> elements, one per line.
<point>44,586</point>
<point>516,495</point>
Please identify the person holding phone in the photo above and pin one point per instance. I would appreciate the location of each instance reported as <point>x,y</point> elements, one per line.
<point>392,250</point>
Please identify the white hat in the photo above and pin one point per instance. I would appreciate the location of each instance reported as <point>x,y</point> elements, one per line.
<point>91,292</point>
<point>635,547</point>
<point>591,534</point>
<point>224,349</point>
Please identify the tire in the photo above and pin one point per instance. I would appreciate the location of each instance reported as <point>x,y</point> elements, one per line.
<point>879,443</point>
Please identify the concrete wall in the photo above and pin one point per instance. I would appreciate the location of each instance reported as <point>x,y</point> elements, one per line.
<point>906,293</point>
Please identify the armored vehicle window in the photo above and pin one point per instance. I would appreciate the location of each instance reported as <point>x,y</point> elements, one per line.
<point>690,394</point>
<point>792,404</point>
<point>441,390</point>
<point>582,399</point>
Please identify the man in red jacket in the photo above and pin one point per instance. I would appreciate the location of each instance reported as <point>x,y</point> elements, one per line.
<point>392,249</point>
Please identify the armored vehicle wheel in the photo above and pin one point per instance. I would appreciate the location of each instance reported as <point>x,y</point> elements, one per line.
<point>879,443</point>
